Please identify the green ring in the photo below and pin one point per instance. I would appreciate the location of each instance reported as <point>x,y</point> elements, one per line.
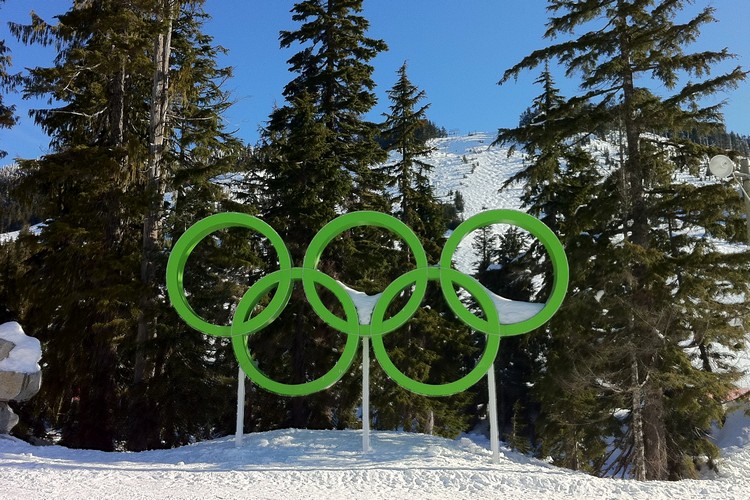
<point>491,348</point>
<point>245,324</point>
<point>365,218</point>
<point>538,229</point>
<point>240,332</point>
<point>186,244</point>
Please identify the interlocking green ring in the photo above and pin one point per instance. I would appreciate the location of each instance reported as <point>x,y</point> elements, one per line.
<point>245,323</point>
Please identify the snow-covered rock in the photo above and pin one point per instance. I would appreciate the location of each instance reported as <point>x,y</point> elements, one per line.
<point>20,373</point>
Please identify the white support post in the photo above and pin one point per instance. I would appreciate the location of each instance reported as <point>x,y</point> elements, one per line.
<point>494,434</point>
<point>240,424</point>
<point>745,169</point>
<point>365,394</point>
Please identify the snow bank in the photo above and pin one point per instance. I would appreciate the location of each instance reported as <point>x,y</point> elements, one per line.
<point>513,311</point>
<point>329,465</point>
<point>36,229</point>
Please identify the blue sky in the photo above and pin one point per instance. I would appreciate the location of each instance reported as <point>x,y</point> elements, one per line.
<point>457,50</point>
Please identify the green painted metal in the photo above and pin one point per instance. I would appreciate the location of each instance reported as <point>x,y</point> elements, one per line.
<point>245,323</point>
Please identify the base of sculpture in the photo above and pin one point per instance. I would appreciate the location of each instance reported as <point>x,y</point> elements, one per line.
<point>8,419</point>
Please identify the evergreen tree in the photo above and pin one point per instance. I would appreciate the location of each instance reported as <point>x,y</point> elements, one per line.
<point>550,150</point>
<point>7,82</point>
<point>334,70</point>
<point>317,154</point>
<point>432,347</point>
<point>635,252</point>
<point>181,368</point>
<point>105,381</point>
<point>414,202</point>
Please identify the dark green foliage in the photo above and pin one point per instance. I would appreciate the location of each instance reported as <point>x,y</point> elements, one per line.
<point>425,131</point>
<point>649,284</point>
<point>317,153</point>
<point>86,266</point>
<point>15,213</point>
<point>453,211</point>
<point>517,439</point>
<point>7,82</point>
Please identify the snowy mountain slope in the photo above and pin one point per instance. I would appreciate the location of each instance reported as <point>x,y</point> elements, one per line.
<point>468,164</point>
<point>290,464</point>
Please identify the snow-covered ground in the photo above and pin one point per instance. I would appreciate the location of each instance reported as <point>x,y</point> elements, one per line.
<point>301,464</point>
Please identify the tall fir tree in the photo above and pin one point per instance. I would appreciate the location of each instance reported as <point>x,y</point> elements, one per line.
<point>335,70</point>
<point>431,347</point>
<point>408,175</point>
<point>190,155</point>
<point>317,155</point>
<point>106,382</point>
<point>624,339</point>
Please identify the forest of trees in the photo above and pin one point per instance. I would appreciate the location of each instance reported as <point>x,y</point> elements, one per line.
<point>626,380</point>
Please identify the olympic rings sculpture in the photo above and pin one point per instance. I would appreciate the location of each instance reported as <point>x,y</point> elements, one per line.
<point>246,323</point>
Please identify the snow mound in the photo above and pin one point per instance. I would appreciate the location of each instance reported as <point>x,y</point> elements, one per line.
<point>292,463</point>
<point>25,356</point>
<point>364,303</point>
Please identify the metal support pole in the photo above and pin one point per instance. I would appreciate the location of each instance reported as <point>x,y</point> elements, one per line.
<point>240,424</point>
<point>745,169</point>
<point>365,394</point>
<point>494,434</point>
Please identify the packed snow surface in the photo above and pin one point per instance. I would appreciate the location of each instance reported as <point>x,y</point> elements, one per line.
<point>290,464</point>
<point>25,356</point>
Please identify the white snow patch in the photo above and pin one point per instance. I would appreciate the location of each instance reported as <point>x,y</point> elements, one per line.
<point>25,356</point>
<point>363,302</point>
<point>513,311</point>
<point>36,230</point>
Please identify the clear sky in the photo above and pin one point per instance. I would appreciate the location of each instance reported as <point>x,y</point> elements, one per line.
<point>457,50</point>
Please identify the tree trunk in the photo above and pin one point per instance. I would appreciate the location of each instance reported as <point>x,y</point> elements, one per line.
<point>655,435</point>
<point>142,430</point>
<point>154,185</point>
<point>636,423</point>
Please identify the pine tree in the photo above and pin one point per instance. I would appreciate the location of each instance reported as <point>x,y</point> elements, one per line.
<point>549,152</point>
<point>105,382</point>
<point>634,252</point>
<point>430,347</point>
<point>317,154</point>
<point>7,82</point>
<point>179,368</point>
<point>89,183</point>
<point>335,71</point>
